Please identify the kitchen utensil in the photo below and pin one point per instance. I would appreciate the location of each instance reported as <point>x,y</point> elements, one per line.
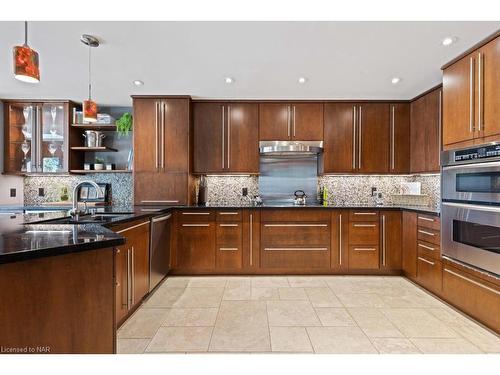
<point>299,198</point>
<point>93,138</point>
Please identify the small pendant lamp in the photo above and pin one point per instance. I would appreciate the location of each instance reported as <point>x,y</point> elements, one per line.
<point>89,106</point>
<point>26,61</point>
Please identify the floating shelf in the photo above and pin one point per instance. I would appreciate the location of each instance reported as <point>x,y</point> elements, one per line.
<point>94,149</point>
<point>85,171</point>
<point>109,127</point>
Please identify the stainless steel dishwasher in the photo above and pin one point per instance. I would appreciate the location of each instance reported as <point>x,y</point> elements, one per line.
<point>159,256</point>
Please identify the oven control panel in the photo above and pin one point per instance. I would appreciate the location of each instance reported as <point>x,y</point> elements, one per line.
<point>485,152</point>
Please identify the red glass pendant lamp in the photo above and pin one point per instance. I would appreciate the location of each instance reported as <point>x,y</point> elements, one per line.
<point>89,106</point>
<point>26,66</point>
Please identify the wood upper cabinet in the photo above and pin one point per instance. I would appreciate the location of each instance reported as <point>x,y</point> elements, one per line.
<point>291,121</point>
<point>399,152</point>
<point>226,137</point>
<point>161,150</point>
<point>425,124</point>
<point>339,143</point>
<point>471,99</point>
<point>373,138</point>
<point>390,239</point>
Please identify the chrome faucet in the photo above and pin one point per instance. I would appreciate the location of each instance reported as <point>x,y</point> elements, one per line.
<point>75,212</point>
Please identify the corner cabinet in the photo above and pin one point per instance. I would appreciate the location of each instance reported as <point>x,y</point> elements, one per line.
<point>161,150</point>
<point>471,98</point>
<point>36,136</point>
<point>226,137</point>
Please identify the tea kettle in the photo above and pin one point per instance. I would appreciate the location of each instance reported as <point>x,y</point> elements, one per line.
<point>299,198</point>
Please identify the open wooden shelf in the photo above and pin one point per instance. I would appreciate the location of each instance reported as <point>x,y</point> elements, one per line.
<point>109,127</point>
<point>94,149</point>
<point>85,171</point>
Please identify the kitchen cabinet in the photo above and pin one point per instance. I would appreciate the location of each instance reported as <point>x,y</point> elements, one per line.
<point>373,138</point>
<point>291,121</point>
<point>229,242</point>
<point>339,240</point>
<point>409,247</point>
<point>364,233</point>
<point>161,150</point>
<point>471,99</point>
<point>36,136</point>
<point>425,124</point>
<point>226,137</point>
<point>429,273</point>
<point>399,148</point>
<point>251,239</point>
<point>390,240</point>
<point>132,267</point>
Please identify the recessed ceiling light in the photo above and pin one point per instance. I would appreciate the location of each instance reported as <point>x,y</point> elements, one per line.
<point>395,80</point>
<point>302,80</point>
<point>449,40</point>
<point>229,80</point>
<point>137,82</point>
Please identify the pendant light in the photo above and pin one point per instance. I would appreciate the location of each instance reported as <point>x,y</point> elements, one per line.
<point>26,61</point>
<point>89,106</point>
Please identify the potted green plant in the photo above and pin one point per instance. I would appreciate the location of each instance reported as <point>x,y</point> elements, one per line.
<point>124,124</point>
<point>99,164</point>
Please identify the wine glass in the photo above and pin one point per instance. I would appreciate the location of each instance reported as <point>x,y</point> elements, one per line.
<point>52,148</point>
<point>26,148</point>
<point>25,128</point>
<point>53,113</point>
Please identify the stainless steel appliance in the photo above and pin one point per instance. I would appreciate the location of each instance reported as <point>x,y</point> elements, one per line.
<point>159,254</point>
<point>470,207</point>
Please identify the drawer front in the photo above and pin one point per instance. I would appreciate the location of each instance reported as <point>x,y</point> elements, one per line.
<point>364,233</point>
<point>363,215</point>
<point>196,215</point>
<point>295,215</point>
<point>429,273</point>
<point>428,250</point>
<point>363,257</point>
<point>196,246</point>
<point>229,234</point>
<point>429,235</point>
<point>429,221</point>
<point>474,296</point>
<point>229,215</point>
<point>295,234</point>
<point>295,258</point>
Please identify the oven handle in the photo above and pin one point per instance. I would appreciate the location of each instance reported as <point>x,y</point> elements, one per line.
<point>472,207</point>
<point>475,165</point>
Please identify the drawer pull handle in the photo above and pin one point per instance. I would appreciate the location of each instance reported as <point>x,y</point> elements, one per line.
<point>295,248</point>
<point>133,227</point>
<point>228,225</point>
<point>195,225</point>
<point>196,213</point>
<point>365,225</point>
<point>364,249</point>
<point>426,261</point>
<point>472,281</point>
<point>228,213</point>
<point>163,201</point>
<point>295,225</point>
<point>426,247</point>
<point>426,219</point>
<point>365,213</point>
<point>228,248</point>
<point>427,233</point>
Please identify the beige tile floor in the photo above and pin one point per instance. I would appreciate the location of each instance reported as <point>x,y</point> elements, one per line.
<point>299,314</point>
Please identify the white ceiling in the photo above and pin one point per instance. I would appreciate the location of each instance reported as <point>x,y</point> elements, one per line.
<point>342,60</point>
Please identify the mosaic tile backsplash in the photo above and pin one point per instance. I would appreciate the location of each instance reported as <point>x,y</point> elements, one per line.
<point>121,187</point>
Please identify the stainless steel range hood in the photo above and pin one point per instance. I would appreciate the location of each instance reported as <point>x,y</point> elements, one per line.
<point>290,148</point>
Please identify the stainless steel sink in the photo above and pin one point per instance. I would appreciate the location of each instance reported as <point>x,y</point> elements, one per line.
<point>87,219</point>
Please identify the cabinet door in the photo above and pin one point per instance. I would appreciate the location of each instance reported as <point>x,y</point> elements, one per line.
<point>409,248</point>
<point>307,121</point>
<point>175,143</point>
<point>153,188</point>
<point>209,133</point>
<point>432,135</point>
<point>229,252</point>
<point>373,142</point>
<point>274,122</point>
<point>196,246</point>
<point>339,245</point>
<point>242,134</point>
<point>458,101</point>
<point>139,247</point>
<point>400,138</point>
<point>121,283</point>
<point>417,135</point>
<point>430,274</point>
<point>339,143</point>
<point>391,240</point>
<point>489,103</point>
<point>146,135</point>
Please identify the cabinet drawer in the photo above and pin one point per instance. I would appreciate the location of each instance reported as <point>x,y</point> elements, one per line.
<point>429,235</point>
<point>428,221</point>
<point>229,234</point>
<point>429,250</point>
<point>196,215</point>
<point>295,258</point>
<point>363,215</point>
<point>474,296</point>
<point>364,233</point>
<point>295,234</point>
<point>363,257</point>
<point>229,215</point>
<point>229,254</point>
<point>296,214</point>
<point>429,273</point>
<point>196,246</point>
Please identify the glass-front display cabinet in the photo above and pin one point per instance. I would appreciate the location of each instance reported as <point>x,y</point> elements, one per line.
<point>37,136</point>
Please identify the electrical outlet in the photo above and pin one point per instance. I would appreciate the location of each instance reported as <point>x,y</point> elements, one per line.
<point>41,192</point>
<point>244,191</point>
<point>12,193</point>
<point>374,191</point>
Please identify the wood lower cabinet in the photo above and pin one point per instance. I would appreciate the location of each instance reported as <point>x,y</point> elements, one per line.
<point>364,233</point>
<point>340,240</point>
<point>429,273</point>
<point>196,241</point>
<point>409,244</point>
<point>229,242</point>
<point>390,240</point>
